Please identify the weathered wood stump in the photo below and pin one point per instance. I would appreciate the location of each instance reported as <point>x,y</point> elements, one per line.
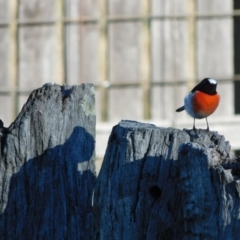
<point>47,169</point>
<point>158,183</point>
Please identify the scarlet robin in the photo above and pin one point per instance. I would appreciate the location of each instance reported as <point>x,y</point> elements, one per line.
<point>202,101</point>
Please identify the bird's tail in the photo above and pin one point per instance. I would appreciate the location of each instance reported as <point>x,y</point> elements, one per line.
<point>180,109</point>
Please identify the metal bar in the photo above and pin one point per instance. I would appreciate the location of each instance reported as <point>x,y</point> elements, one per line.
<point>145,61</point>
<point>160,82</point>
<point>81,43</point>
<point>82,20</point>
<point>13,58</point>
<point>4,24</point>
<point>117,18</point>
<point>175,71</point>
<point>122,84</point>
<point>192,65</point>
<point>60,54</point>
<point>236,77</point>
<point>33,22</point>
<point>103,59</point>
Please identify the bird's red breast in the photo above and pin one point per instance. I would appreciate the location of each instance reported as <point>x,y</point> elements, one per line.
<point>205,104</point>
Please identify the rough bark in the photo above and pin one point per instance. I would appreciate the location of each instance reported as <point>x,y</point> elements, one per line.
<point>47,170</point>
<point>158,183</point>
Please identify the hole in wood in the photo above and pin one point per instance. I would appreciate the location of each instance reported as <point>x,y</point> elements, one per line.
<point>155,192</point>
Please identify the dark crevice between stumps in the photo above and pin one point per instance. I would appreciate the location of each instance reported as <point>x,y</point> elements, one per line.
<point>3,134</point>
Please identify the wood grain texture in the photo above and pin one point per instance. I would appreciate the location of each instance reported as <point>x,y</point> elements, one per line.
<point>47,168</point>
<point>158,183</point>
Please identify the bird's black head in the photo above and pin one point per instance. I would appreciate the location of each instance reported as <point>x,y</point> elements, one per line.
<point>207,85</point>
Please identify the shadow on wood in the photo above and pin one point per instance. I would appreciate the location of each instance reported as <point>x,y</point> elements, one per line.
<point>47,166</point>
<point>50,192</point>
<point>158,183</point>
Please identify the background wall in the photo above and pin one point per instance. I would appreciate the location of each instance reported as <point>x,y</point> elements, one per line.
<point>143,56</point>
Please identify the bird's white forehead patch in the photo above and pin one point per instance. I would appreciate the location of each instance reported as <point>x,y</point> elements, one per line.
<point>212,81</point>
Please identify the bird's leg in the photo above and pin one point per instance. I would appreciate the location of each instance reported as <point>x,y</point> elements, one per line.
<point>207,125</point>
<point>194,129</point>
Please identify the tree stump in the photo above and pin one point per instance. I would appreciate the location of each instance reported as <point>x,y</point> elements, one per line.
<point>47,169</point>
<point>158,183</point>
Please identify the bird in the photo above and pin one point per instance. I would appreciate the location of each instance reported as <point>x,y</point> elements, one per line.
<point>202,101</point>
